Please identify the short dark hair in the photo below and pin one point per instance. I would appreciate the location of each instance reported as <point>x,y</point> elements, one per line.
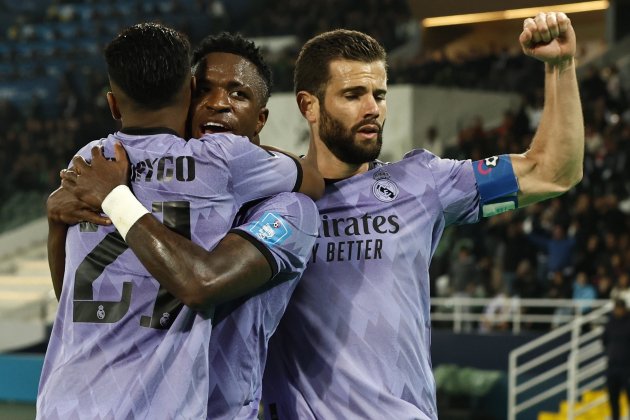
<point>312,66</point>
<point>236,44</point>
<point>150,62</point>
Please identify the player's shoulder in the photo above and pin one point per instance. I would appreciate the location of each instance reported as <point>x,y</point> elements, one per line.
<point>86,150</point>
<point>296,207</point>
<point>416,158</point>
<point>220,140</point>
<point>219,144</point>
<point>420,155</point>
<point>431,160</point>
<point>293,201</point>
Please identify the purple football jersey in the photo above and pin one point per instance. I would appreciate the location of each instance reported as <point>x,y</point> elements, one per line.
<point>355,339</point>
<point>284,228</point>
<point>121,347</point>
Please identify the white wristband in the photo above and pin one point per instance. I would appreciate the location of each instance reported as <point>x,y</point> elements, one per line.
<point>123,208</point>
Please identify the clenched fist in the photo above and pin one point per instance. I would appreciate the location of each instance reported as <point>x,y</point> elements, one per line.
<point>549,37</point>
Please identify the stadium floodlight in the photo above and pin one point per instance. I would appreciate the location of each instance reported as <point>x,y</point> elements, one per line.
<point>588,6</point>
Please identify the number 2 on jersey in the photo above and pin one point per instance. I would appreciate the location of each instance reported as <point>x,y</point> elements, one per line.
<point>176,216</point>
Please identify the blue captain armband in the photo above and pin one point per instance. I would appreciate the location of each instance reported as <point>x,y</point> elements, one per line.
<point>497,185</point>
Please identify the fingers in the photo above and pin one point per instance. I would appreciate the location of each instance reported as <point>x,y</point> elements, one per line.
<point>120,153</point>
<point>93,217</point>
<point>68,184</point>
<point>563,22</point>
<point>79,164</point>
<point>526,37</point>
<point>68,175</point>
<point>97,154</point>
<point>552,25</point>
<point>73,214</point>
<point>530,26</point>
<point>544,27</point>
<point>68,179</point>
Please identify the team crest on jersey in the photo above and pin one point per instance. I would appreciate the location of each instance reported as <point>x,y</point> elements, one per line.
<point>165,320</point>
<point>271,229</point>
<point>384,188</point>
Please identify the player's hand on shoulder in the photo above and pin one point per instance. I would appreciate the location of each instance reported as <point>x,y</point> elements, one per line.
<point>548,37</point>
<point>92,182</point>
<point>64,208</point>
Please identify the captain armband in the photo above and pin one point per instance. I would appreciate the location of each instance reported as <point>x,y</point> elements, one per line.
<point>498,187</point>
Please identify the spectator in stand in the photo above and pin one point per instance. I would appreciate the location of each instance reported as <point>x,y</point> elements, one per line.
<point>525,284</point>
<point>621,290</point>
<point>559,250</point>
<point>498,314</point>
<point>463,270</point>
<point>616,340</point>
<point>604,287</point>
<point>559,289</point>
<point>583,293</point>
<point>516,251</point>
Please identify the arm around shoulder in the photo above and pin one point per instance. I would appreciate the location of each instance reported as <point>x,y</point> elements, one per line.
<point>311,182</point>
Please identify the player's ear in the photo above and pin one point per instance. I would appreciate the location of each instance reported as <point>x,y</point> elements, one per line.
<point>309,106</point>
<point>193,84</point>
<point>113,106</point>
<point>263,114</point>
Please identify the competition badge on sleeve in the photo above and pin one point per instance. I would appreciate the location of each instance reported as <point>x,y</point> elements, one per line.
<point>271,229</point>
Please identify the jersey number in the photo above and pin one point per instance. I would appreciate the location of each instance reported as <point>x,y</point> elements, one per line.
<point>176,216</point>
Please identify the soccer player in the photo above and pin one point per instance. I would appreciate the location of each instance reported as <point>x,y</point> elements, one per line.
<point>355,339</point>
<point>616,341</point>
<point>122,347</point>
<point>232,89</point>
<point>233,85</point>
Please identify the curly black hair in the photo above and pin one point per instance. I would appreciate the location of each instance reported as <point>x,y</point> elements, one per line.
<point>226,42</point>
<point>150,62</point>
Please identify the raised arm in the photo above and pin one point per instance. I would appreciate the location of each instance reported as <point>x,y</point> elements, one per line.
<point>553,164</point>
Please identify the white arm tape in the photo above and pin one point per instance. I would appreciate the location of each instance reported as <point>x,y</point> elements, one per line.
<point>123,208</point>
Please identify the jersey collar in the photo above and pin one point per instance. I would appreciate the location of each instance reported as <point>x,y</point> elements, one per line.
<point>148,131</point>
<point>373,164</point>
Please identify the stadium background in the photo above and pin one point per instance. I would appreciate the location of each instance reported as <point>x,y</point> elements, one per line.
<point>461,90</point>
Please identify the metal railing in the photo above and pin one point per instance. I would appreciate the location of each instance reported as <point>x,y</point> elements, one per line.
<point>462,312</point>
<point>577,364</point>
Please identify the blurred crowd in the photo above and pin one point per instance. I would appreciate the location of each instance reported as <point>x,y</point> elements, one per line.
<point>52,84</point>
<point>576,246</point>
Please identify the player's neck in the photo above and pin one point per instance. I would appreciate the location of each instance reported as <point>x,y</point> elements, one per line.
<point>329,165</point>
<point>168,117</point>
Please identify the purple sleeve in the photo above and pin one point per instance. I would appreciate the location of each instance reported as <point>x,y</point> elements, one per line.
<point>284,229</point>
<point>457,189</point>
<point>256,172</point>
<point>86,151</point>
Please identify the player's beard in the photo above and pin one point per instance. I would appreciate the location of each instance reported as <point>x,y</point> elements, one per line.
<point>342,142</point>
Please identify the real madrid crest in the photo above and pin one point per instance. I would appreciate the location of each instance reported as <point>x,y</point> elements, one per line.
<point>384,188</point>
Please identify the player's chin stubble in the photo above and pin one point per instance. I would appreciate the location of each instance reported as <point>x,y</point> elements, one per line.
<point>341,141</point>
